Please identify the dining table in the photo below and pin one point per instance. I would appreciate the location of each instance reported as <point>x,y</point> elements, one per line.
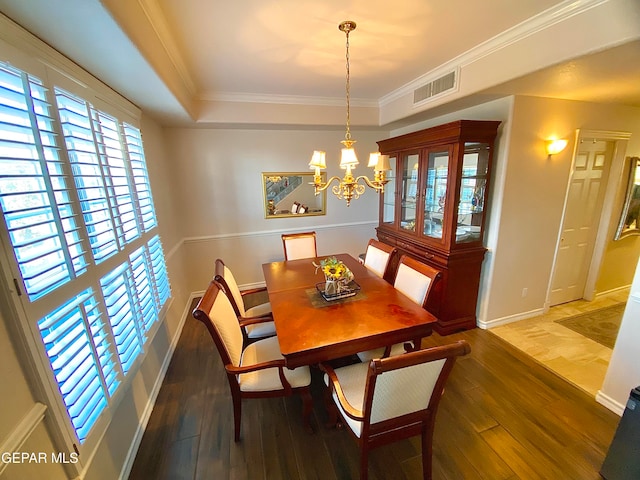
<point>311,329</point>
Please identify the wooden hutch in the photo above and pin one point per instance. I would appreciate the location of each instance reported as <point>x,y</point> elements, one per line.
<point>433,209</point>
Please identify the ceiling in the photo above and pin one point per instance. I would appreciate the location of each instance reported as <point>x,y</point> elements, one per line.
<point>291,51</point>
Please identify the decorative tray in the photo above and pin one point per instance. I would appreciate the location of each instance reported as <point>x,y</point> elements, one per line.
<point>351,289</point>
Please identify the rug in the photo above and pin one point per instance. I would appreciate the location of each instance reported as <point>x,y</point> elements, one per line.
<point>600,325</point>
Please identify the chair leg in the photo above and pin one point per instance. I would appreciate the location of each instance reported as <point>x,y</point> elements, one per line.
<point>237,415</point>
<point>427,452</point>
<point>307,408</point>
<point>364,462</point>
<point>332,410</point>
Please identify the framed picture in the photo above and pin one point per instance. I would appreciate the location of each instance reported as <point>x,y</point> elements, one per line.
<point>630,216</point>
<point>291,194</point>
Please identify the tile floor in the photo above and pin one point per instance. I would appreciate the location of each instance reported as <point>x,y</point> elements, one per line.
<point>581,361</point>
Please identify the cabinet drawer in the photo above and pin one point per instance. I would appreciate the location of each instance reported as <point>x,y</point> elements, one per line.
<point>420,252</point>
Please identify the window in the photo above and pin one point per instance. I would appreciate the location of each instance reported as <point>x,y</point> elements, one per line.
<point>79,217</point>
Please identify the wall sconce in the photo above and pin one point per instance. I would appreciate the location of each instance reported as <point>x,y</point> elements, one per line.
<point>556,146</point>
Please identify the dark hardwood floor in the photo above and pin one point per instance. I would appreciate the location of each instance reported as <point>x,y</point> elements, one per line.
<point>503,416</point>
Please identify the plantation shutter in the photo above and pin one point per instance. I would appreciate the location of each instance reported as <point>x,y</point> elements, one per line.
<point>90,184</point>
<point>79,219</point>
<point>115,171</point>
<point>34,188</point>
<point>133,144</point>
<point>76,342</point>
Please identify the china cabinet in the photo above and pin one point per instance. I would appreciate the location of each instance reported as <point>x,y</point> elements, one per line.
<point>434,207</point>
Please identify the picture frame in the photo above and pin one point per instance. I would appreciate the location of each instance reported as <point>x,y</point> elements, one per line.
<point>630,216</point>
<point>291,194</point>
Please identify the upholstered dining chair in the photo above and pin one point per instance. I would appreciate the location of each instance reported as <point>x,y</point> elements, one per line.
<point>377,257</point>
<point>392,398</point>
<point>255,371</point>
<point>261,329</point>
<point>415,280</point>
<point>299,245</point>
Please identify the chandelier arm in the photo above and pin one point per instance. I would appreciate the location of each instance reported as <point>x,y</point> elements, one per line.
<point>321,187</point>
<point>370,183</point>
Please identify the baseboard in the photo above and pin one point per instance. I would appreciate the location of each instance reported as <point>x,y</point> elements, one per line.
<point>614,290</point>
<point>488,324</point>
<point>146,414</point>
<point>610,403</point>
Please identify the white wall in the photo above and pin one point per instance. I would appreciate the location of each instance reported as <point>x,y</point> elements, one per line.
<point>532,200</point>
<point>20,406</point>
<point>217,174</point>
<point>624,368</point>
<point>561,33</point>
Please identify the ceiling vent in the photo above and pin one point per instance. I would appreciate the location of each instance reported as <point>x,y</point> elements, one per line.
<point>436,87</point>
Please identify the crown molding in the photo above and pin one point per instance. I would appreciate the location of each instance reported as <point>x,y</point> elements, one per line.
<point>535,24</point>
<point>286,99</point>
<point>158,22</point>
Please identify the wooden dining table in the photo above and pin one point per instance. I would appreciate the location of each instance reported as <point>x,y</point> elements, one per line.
<point>312,330</point>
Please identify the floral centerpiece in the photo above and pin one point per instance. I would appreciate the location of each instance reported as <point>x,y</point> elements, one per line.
<point>336,274</point>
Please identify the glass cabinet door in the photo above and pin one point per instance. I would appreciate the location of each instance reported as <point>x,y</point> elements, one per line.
<point>409,192</point>
<point>435,193</point>
<point>389,195</point>
<point>473,183</point>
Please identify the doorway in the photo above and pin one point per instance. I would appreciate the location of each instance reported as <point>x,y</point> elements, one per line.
<point>581,219</point>
<point>588,215</point>
<point>574,357</point>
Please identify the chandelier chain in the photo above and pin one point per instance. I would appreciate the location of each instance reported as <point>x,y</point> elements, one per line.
<point>347,135</point>
<point>348,187</point>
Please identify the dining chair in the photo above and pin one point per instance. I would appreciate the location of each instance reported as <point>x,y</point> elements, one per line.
<point>299,245</point>
<point>415,280</point>
<point>393,398</point>
<point>227,281</point>
<point>255,371</point>
<point>377,257</point>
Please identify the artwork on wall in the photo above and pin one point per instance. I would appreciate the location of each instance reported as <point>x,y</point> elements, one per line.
<point>291,194</point>
<point>630,217</point>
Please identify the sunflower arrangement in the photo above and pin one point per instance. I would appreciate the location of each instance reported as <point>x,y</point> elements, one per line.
<point>335,270</point>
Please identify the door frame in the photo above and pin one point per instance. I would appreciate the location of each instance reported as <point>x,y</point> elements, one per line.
<point>607,223</point>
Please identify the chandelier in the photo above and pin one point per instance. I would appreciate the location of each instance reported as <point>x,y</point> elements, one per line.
<point>348,187</point>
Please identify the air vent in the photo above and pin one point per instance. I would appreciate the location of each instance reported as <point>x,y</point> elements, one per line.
<point>431,89</point>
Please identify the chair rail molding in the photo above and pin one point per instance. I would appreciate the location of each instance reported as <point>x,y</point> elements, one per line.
<point>23,431</point>
<point>277,232</point>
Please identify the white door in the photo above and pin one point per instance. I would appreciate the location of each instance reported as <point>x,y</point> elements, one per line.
<point>581,219</point>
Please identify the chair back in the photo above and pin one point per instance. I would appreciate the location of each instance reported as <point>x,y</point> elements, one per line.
<point>415,279</point>
<point>228,283</point>
<point>404,390</point>
<point>377,257</point>
<point>215,311</point>
<point>299,245</point>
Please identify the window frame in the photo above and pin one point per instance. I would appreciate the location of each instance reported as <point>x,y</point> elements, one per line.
<point>38,370</point>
